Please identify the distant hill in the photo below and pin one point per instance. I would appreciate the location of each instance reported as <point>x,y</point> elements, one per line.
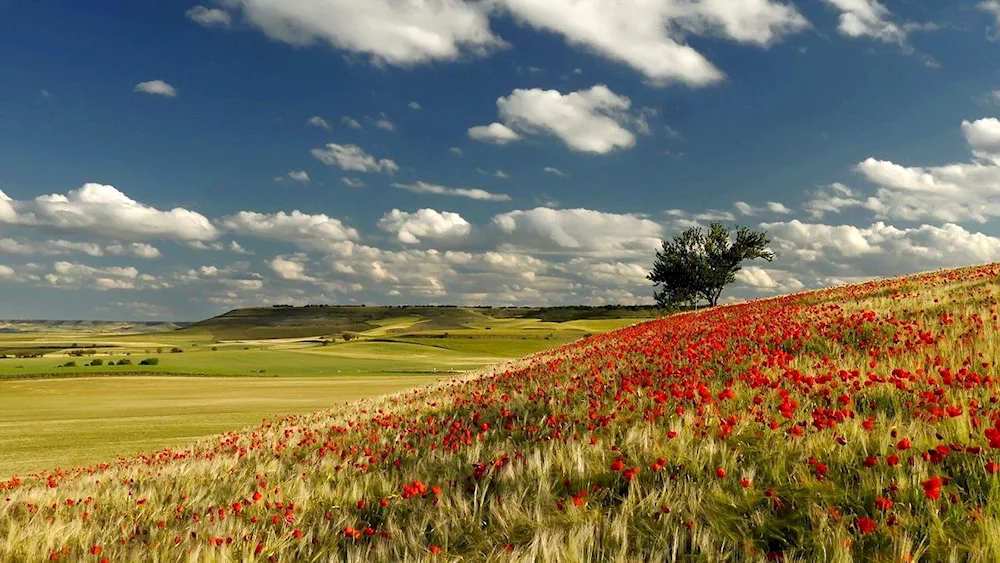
<point>41,325</point>
<point>297,322</point>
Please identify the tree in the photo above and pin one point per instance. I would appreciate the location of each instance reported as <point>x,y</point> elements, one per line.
<point>697,264</point>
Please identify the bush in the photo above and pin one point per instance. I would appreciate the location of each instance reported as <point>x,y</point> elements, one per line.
<point>96,362</point>
<point>68,365</point>
<point>150,362</point>
<point>348,336</point>
<point>175,350</point>
<point>124,362</point>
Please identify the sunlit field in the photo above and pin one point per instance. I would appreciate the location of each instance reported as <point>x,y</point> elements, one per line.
<point>57,415</point>
<point>853,423</point>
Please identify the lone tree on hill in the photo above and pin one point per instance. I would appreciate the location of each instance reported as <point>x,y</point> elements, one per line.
<point>697,264</point>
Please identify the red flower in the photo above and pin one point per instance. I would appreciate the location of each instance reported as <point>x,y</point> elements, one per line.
<point>992,467</point>
<point>866,525</point>
<point>932,488</point>
<point>720,472</point>
<point>435,549</point>
<point>617,465</point>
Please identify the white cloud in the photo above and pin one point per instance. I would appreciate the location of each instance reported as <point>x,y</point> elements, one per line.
<point>455,151</point>
<point>384,124</point>
<point>755,276</point>
<point>411,228</point>
<point>353,158</point>
<point>983,135</point>
<point>317,121</point>
<point>579,230</point>
<point>316,232</point>
<point>72,275</point>
<point>826,252</point>
<point>555,172</point>
<point>414,106</point>
<point>993,7</point>
<point>7,212</point>
<point>952,193</point>
<point>870,18</point>
<point>833,199</point>
<point>595,120</point>
<point>497,133</point>
<point>238,248</point>
<point>352,182</point>
<point>425,188</point>
<point>156,88</point>
<point>390,32</point>
<point>209,17</point>
<point>140,249</point>
<point>104,211</point>
<point>299,176</point>
<point>770,207</point>
<point>352,123</point>
<point>291,268</point>
<point>647,35</point>
<point>51,247</point>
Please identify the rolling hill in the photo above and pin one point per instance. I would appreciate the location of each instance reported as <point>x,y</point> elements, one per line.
<point>855,423</point>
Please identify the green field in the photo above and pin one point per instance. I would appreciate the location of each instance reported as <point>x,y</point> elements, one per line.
<point>52,416</point>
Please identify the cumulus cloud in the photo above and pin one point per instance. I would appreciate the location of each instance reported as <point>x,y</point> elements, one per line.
<point>140,249</point>
<point>156,88</point>
<point>315,232</point>
<point>870,18</point>
<point>384,124</point>
<point>51,247</point>
<point>826,252</point>
<point>578,230</point>
<point>648,35</point>
<point>291,268</point>
<point>770,207</point>
<point>352,123</point>
<point>104,211</point>
<point>992,7</point>
<point>209,17</point>
<point>353,158</point>
<point>387,31</point>
<point>496,133</point>
<point>414,106</point>
<point>595,120</point>
<point>317,121</point>
<point>555,172</point>
<point>352,182</point>
<point>983,135</point>
<point>299,176</point>
<point>411,228</point>
<point>471,193</point>
<point>73,275</point>
<point>955,192</point>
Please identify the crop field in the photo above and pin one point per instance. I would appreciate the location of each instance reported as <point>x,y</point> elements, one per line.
<point>856,423</point>
<point>52,416</point>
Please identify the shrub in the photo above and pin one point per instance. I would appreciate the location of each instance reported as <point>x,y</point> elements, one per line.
<point>175,350</point>
<point>96,362</point>
<point>150,362</point>
<point>124,362</point>
<point>69,364</point>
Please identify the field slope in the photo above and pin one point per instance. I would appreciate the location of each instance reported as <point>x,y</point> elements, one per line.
<point>853,423</point>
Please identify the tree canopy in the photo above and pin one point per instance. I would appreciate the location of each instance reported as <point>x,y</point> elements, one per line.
<point>698,263</point>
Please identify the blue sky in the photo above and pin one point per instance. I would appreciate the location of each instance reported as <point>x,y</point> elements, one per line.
<point>174,160</point>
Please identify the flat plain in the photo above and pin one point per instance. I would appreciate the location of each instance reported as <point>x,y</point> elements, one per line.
<point>57,415</point>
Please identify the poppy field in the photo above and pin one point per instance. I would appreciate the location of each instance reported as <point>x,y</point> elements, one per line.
<point>854,423</point>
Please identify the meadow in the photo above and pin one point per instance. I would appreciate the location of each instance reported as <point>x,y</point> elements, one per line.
<point>52,416</point>
<point>855,423</point>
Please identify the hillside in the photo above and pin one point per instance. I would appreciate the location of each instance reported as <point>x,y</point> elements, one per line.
<point>332,320</point>
<point>853,423</point>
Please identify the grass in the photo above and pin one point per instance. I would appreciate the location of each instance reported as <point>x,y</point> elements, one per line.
<point>53,416</point>
<point>46,424</point>
<point>857,423</point>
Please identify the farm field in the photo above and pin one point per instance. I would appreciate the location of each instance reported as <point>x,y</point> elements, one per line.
<point>53,416</point>
<point>855,423</point>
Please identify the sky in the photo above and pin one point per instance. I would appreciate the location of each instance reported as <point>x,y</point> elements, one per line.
<point>172,160</point>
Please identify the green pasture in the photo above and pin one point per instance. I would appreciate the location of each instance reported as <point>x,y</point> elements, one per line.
<point>45,424</point>
<point>67,416</point>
